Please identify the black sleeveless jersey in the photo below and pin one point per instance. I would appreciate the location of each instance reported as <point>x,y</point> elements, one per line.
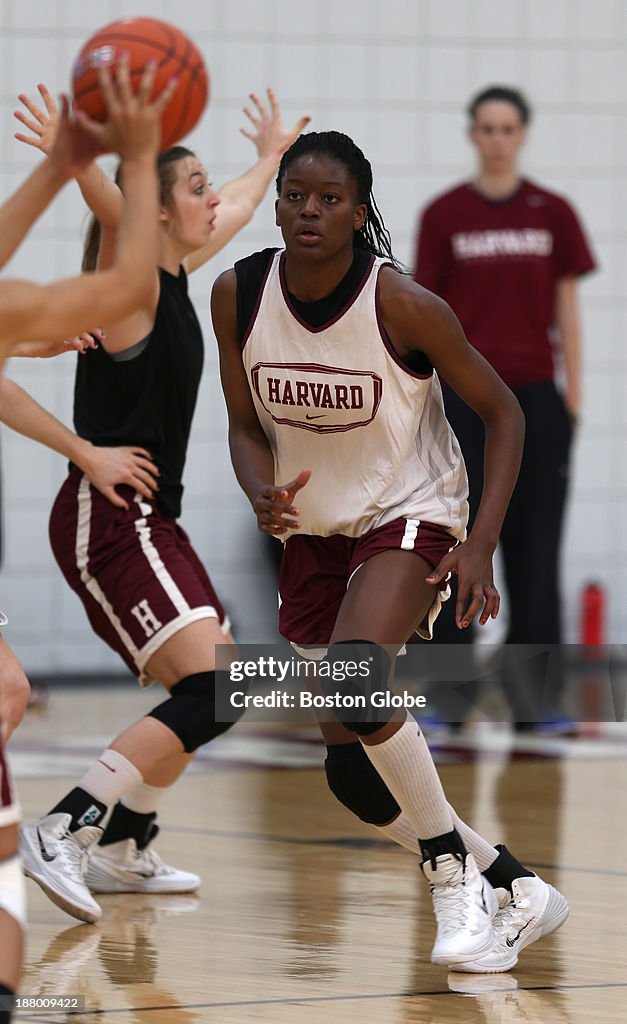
<point>251,272</point>
<point>146,395</point>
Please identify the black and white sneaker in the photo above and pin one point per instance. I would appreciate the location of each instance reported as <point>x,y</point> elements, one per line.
<point>56,859</point>
<point>534,909</point>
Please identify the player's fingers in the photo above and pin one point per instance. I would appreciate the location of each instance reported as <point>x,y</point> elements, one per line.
<point>123,77</point>
<point>166,95</point>
<point>144,459</point>
<point>146,478</point>
<point>147,81</point>
<point>26,139</point>
<point>141,487</point>
<point>274,103</point>
<point>65,107</point>
<point>461,604</point>
<point>263,113</point>
<point>140,451</point>
<point>105,83</point>
<point>491,597</point>
<point>471,609</point>
<point>298,483</point>
<point>86,341</point>
<point>301,124</point>
<point>32,107</point>
<point>28,122</point>
<point>248,135</point>
<point>112,495</point>
<point>49,103</point>
<point>440,572</point>
<point>75,344</point>
<point>251,117</point>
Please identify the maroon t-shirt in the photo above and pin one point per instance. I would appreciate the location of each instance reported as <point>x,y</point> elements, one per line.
<point>497,263</point>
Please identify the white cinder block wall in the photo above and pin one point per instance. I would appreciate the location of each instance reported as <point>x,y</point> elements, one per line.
<point>395,76</point>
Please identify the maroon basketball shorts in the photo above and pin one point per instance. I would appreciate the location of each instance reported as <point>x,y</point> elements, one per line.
<point>135,571</point>
<point>315,573</point>
<point>9,808</point>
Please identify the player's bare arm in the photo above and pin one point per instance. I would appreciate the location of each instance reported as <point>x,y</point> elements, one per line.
<point>240,198</point>
<point>250,452</point>
<point>106,468</point>
<point>415,319</point>
<point>30,311</point>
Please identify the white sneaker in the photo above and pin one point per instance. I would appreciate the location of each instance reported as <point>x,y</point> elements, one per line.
<point>464,904</point>
<point>535,909</point>
<point>56,859</point>
<point>122,867</point>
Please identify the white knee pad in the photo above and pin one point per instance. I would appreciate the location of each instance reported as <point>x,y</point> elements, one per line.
<point>13,889</point>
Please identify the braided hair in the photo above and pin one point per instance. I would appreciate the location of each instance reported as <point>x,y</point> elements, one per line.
<point>373,236</point>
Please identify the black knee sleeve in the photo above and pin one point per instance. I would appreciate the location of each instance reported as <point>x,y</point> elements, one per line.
<point>356,783</point>
<point>190,711</point>
<point>355,709</point>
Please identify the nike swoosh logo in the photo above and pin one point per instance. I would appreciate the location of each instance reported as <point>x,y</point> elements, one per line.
<point>485,906</point>
<point>511,942</point>
<point>44,853</point>
<point>107,766</point>
<point>320,417</point>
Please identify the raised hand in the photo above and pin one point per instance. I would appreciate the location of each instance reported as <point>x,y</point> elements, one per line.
<point>133,125</point>
<point>270,135</point>
<point>42,124</point>
<point>273,505</point>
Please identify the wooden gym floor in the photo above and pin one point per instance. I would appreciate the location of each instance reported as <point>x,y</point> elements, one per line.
<point>305,915</point>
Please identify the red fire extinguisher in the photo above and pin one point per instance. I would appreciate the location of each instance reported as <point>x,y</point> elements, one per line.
<point>592,630</point>
<point>591,637</point>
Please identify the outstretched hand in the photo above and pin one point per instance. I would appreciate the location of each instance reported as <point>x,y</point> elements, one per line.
<point>471,562</point>
<point>274,507</point>
<point>42,124</point>
<point>270,136</point>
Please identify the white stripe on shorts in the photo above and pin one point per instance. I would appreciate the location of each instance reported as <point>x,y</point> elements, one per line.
<point>154,559</point>
<point>82,561</point>
<point>411,532</point>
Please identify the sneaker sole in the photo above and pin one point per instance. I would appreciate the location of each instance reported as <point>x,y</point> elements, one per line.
<point>557,910</point>
<point>81,913</point>
<point>463,958</point>
<point>122,887</point>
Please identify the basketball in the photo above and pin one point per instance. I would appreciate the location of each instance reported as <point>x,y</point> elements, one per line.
<point>145,39</point>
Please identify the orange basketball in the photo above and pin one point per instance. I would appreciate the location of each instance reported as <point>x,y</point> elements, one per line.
<point>145,39</point>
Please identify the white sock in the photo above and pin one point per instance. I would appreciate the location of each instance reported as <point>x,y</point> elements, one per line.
<point>402,832</point>
<point>110,777</point>
<point>405,764</point>
<point>144,799</point>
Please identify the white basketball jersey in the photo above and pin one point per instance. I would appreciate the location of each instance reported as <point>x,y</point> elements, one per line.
<point>337,400</point>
